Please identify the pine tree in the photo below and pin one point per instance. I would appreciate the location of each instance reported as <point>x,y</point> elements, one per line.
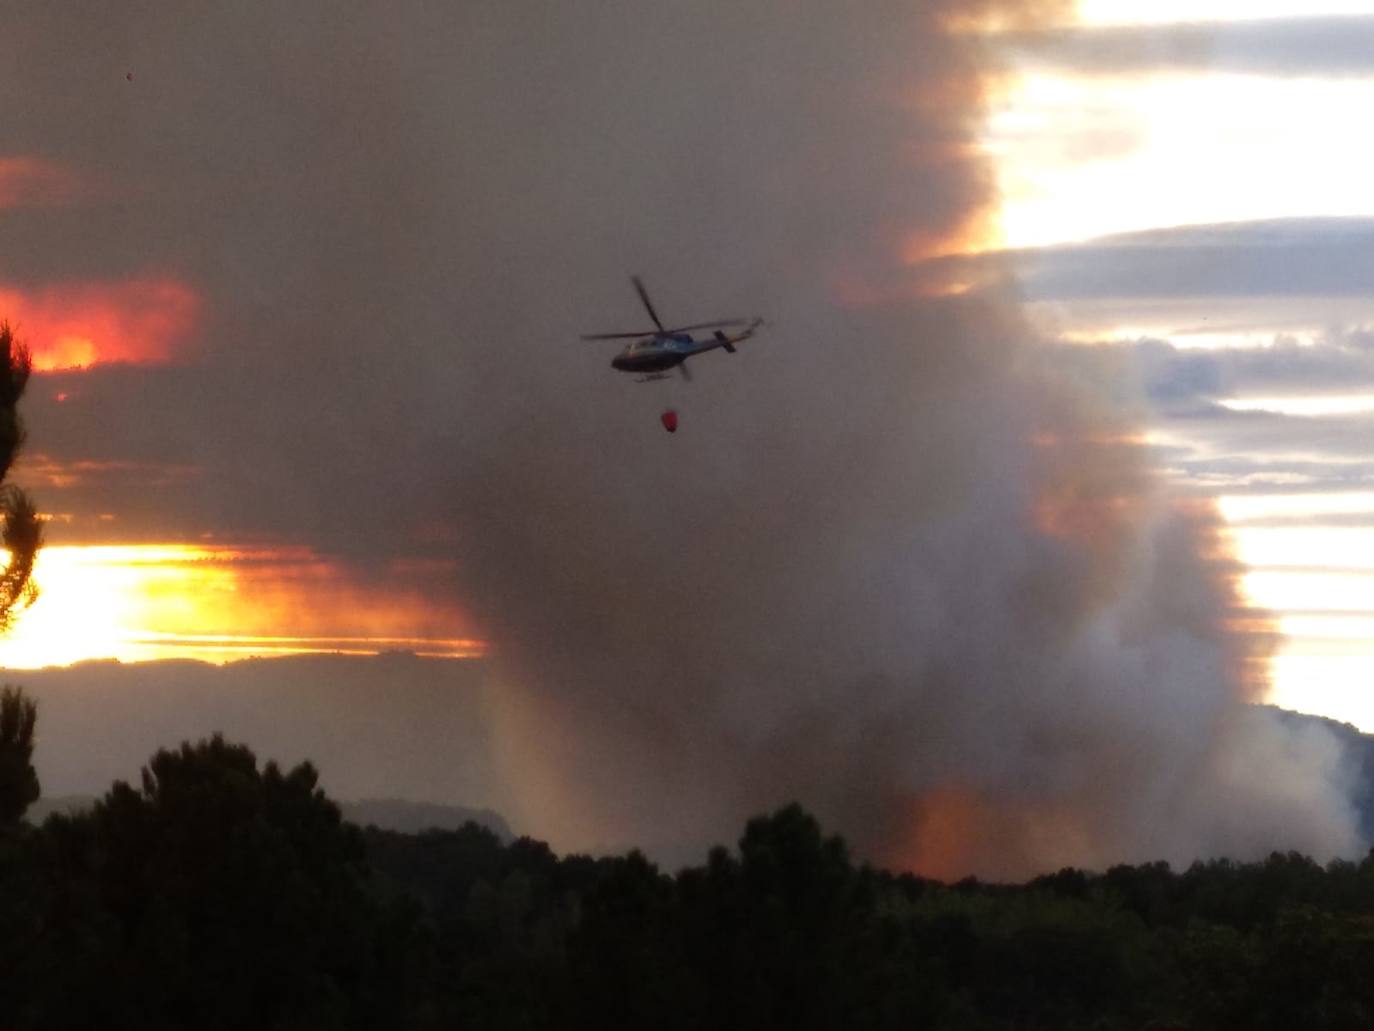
<point>18,779</point>
<point>21,535</point>
<point>21,531</point>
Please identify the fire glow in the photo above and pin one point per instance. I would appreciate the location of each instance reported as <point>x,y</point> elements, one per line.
<point>74,326</point>
<point>952,824</point>
<point>137,603</point>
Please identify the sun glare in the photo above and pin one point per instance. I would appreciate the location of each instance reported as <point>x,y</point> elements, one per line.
<point>1249,508</point>
<point>1336,686</point>
<point>1319,404</point>
<point>1137,12</point>
<point>1318,580</point>
<point>1085,156</point>
<point>142,602</point>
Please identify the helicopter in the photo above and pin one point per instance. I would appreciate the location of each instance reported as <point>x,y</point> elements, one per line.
<point>656,351</point>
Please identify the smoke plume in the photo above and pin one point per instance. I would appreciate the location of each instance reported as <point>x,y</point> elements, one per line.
<point>892,565</point>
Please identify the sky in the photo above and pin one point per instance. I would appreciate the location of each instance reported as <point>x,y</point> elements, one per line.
<point>951,551</point>
<point>1187,183</point>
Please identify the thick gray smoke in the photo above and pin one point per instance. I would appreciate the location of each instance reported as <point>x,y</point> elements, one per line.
<point>890,566</point>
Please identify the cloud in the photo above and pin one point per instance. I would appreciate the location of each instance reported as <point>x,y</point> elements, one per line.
<point>1227,473</point>
<point>1218,281</point>
<point>1355,520</point>
<point>1214,281</point>
<point>1328,47</point>
<point>1181,390</point>
<point>1312,258</point>
<point>1271,433</point>
<point>1336,363</point>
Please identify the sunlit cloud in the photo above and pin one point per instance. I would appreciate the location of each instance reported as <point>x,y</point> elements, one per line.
<point>1337,404</point>
<point>1242,508</point>
<point>76,325</point>
<point>1246,198</point>
<point>1333,547</point>
<point>1079,158</point>
<point>1325,660</point>
<point>141,602</point>
<point>1314,632</point>
<point>1303,45</point>
<point>1134,12</point>
<point>41,470</point>
<point>1320,590</point>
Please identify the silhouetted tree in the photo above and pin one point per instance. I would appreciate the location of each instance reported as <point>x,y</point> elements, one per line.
<point>18,779</point>
<point>22,532</point>
<point>220,895</point>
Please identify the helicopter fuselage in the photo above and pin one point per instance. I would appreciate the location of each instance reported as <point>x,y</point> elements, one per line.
<point>657,353</point>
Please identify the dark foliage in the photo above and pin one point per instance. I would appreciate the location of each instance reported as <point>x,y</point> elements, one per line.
<point>217,895</point>
<point>21,531</point>
<point>787,932</point>
<point>221,895</point>
<point>18,779</point>
<point>16,364</point>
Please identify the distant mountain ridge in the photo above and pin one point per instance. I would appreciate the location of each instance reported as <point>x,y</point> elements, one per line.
<point>389,726</point>
<point>388,814</point>
<point>405,817</point>
<point>1359,758</point>
<point>391,735</point>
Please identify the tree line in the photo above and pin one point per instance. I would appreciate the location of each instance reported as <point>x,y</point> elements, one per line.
<point>222,893</point>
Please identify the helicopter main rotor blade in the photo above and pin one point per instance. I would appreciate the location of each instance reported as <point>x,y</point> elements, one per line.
<point>709,325</point>
<point>648,305</point>
<point>617,336</point>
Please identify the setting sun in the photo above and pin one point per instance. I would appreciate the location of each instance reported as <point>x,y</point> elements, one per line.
<point>140,602</point>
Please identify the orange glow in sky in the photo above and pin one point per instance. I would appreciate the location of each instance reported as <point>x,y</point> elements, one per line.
<point>76,325</point>
<point>32,182</point>
<point>141,602</point>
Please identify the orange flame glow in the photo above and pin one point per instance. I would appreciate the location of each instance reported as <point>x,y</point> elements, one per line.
<point>79,325</point>
<point>945,827</point>
<point>955,831</point>
<point>1093,490</point>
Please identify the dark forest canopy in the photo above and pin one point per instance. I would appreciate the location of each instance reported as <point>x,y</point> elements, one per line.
<point>222,894</point>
